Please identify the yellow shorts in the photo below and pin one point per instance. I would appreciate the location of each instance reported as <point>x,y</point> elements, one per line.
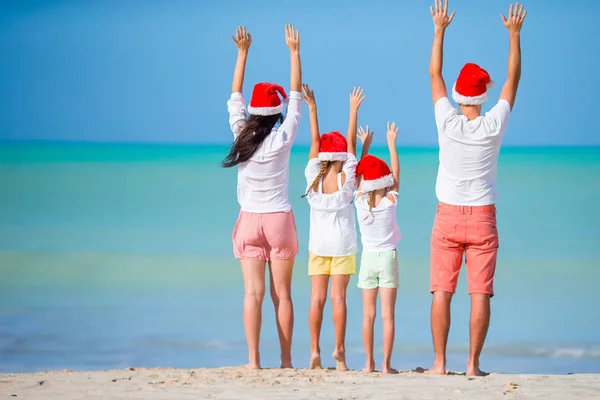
<point>319,265</point>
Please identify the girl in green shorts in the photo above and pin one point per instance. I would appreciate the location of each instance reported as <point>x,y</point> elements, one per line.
<point>376,201</point>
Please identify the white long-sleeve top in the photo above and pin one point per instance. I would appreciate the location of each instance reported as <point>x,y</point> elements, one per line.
<point>263,180</point>
<point>332,222</point>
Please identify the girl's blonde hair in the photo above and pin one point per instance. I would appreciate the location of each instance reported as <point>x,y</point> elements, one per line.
<point>325,165</point>
<point>371,202</point>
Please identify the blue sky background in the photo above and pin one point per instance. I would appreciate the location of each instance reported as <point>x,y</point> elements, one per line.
<point>124,70</point>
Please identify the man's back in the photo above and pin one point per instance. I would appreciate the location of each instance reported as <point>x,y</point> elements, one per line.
<point>469,154</point>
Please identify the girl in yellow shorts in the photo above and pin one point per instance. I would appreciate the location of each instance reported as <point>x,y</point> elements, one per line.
<point>331,178</point>
<point>376,203</point>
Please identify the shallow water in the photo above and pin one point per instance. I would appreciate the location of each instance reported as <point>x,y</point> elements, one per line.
<point>118,255</point>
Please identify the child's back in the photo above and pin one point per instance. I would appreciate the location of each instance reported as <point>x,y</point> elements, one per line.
<point>377,221</point>
<point>331,178</point>
<point>330,195</point>
<point>376,203</point>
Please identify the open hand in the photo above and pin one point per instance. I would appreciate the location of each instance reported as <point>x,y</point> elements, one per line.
<point>440,15</point>
<point>309,96</point>
<point>242,39</point>
<point>392,132</point>
<point>356,98</point>
<point>365,136</point>
<point>515,19</point>
<point>292,38</point>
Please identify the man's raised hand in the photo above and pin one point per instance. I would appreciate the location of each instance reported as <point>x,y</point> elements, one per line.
<point>515,19</point>
<point>440,15</point>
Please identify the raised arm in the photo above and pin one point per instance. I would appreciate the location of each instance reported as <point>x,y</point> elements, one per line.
<point>356,98</point>
<point>292,39</point>
<point>294,107</point>
<point>366,138</point>
<point>236,105</point>
<point>392,134</point>
<point>315,135</point>
<point>440,23</point>
<point>513,23</point>
<point>242,40</point>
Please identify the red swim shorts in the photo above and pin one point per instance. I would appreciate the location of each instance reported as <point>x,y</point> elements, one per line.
<point>468,230</point>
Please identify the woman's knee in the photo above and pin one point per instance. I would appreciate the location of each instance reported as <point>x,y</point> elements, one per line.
<point>255,294</point>
<point>281,294</point>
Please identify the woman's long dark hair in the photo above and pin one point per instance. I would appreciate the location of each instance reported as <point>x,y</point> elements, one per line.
<point>257,128</point>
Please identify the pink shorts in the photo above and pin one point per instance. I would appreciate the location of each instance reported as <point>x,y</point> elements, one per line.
<point>269,236</point>
<point>468,230</point>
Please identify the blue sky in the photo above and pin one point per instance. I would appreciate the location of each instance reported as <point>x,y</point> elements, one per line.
<point>160,71</point>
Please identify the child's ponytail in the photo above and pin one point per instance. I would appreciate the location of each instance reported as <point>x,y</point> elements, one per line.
<point>371,202</point>
<point>324,168</point>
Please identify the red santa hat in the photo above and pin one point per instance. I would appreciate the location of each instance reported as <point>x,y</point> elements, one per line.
<point>334,147</point>
<point>472,85</point>
<point>375,174</point>
<point>265,99</point>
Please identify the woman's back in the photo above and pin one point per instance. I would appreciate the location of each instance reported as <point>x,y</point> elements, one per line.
<point>263,180</point>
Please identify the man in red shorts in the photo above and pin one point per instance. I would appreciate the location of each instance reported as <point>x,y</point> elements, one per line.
<point>465,221</point>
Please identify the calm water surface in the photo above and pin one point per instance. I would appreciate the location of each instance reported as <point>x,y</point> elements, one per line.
<point>120,255</point>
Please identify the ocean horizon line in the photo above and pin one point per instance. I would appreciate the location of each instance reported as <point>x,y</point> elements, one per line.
<point>151,144</point>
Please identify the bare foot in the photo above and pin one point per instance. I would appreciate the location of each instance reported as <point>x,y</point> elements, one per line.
<point>253,366</point>
<point>286,365</point>
<point>473,371</point>
<point>437,369</point>
<point>389,370</point>
<point>340,359</point>
<point>315,361</point>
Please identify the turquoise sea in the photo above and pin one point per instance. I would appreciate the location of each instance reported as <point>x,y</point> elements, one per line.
<point>120,255</point>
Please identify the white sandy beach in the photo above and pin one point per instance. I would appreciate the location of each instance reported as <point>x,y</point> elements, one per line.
<point>239,383</point>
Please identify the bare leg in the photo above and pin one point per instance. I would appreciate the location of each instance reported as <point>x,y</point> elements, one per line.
<point>281,293</point>
<point>254,293</point>
<point>480,321</point>
<point>369,311</point>
<point>388,316</point>
<point>318,298</point>
<point>339,284</point>
<point>440,326</point>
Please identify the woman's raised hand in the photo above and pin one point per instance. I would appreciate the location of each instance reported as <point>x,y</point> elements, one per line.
<point>356,98</point>
<point>242,39</point>
<point>292,38</point>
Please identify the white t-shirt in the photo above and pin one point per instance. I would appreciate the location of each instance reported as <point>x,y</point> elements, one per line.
<point>332,220</point>
<point>469,154</point>
<point>263,180</point>
<point>379,229</point>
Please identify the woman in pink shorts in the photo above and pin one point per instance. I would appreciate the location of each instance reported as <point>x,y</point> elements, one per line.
<point>265,230</point>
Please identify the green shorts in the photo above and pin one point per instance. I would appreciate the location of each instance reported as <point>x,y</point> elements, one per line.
<point>378,270</point>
